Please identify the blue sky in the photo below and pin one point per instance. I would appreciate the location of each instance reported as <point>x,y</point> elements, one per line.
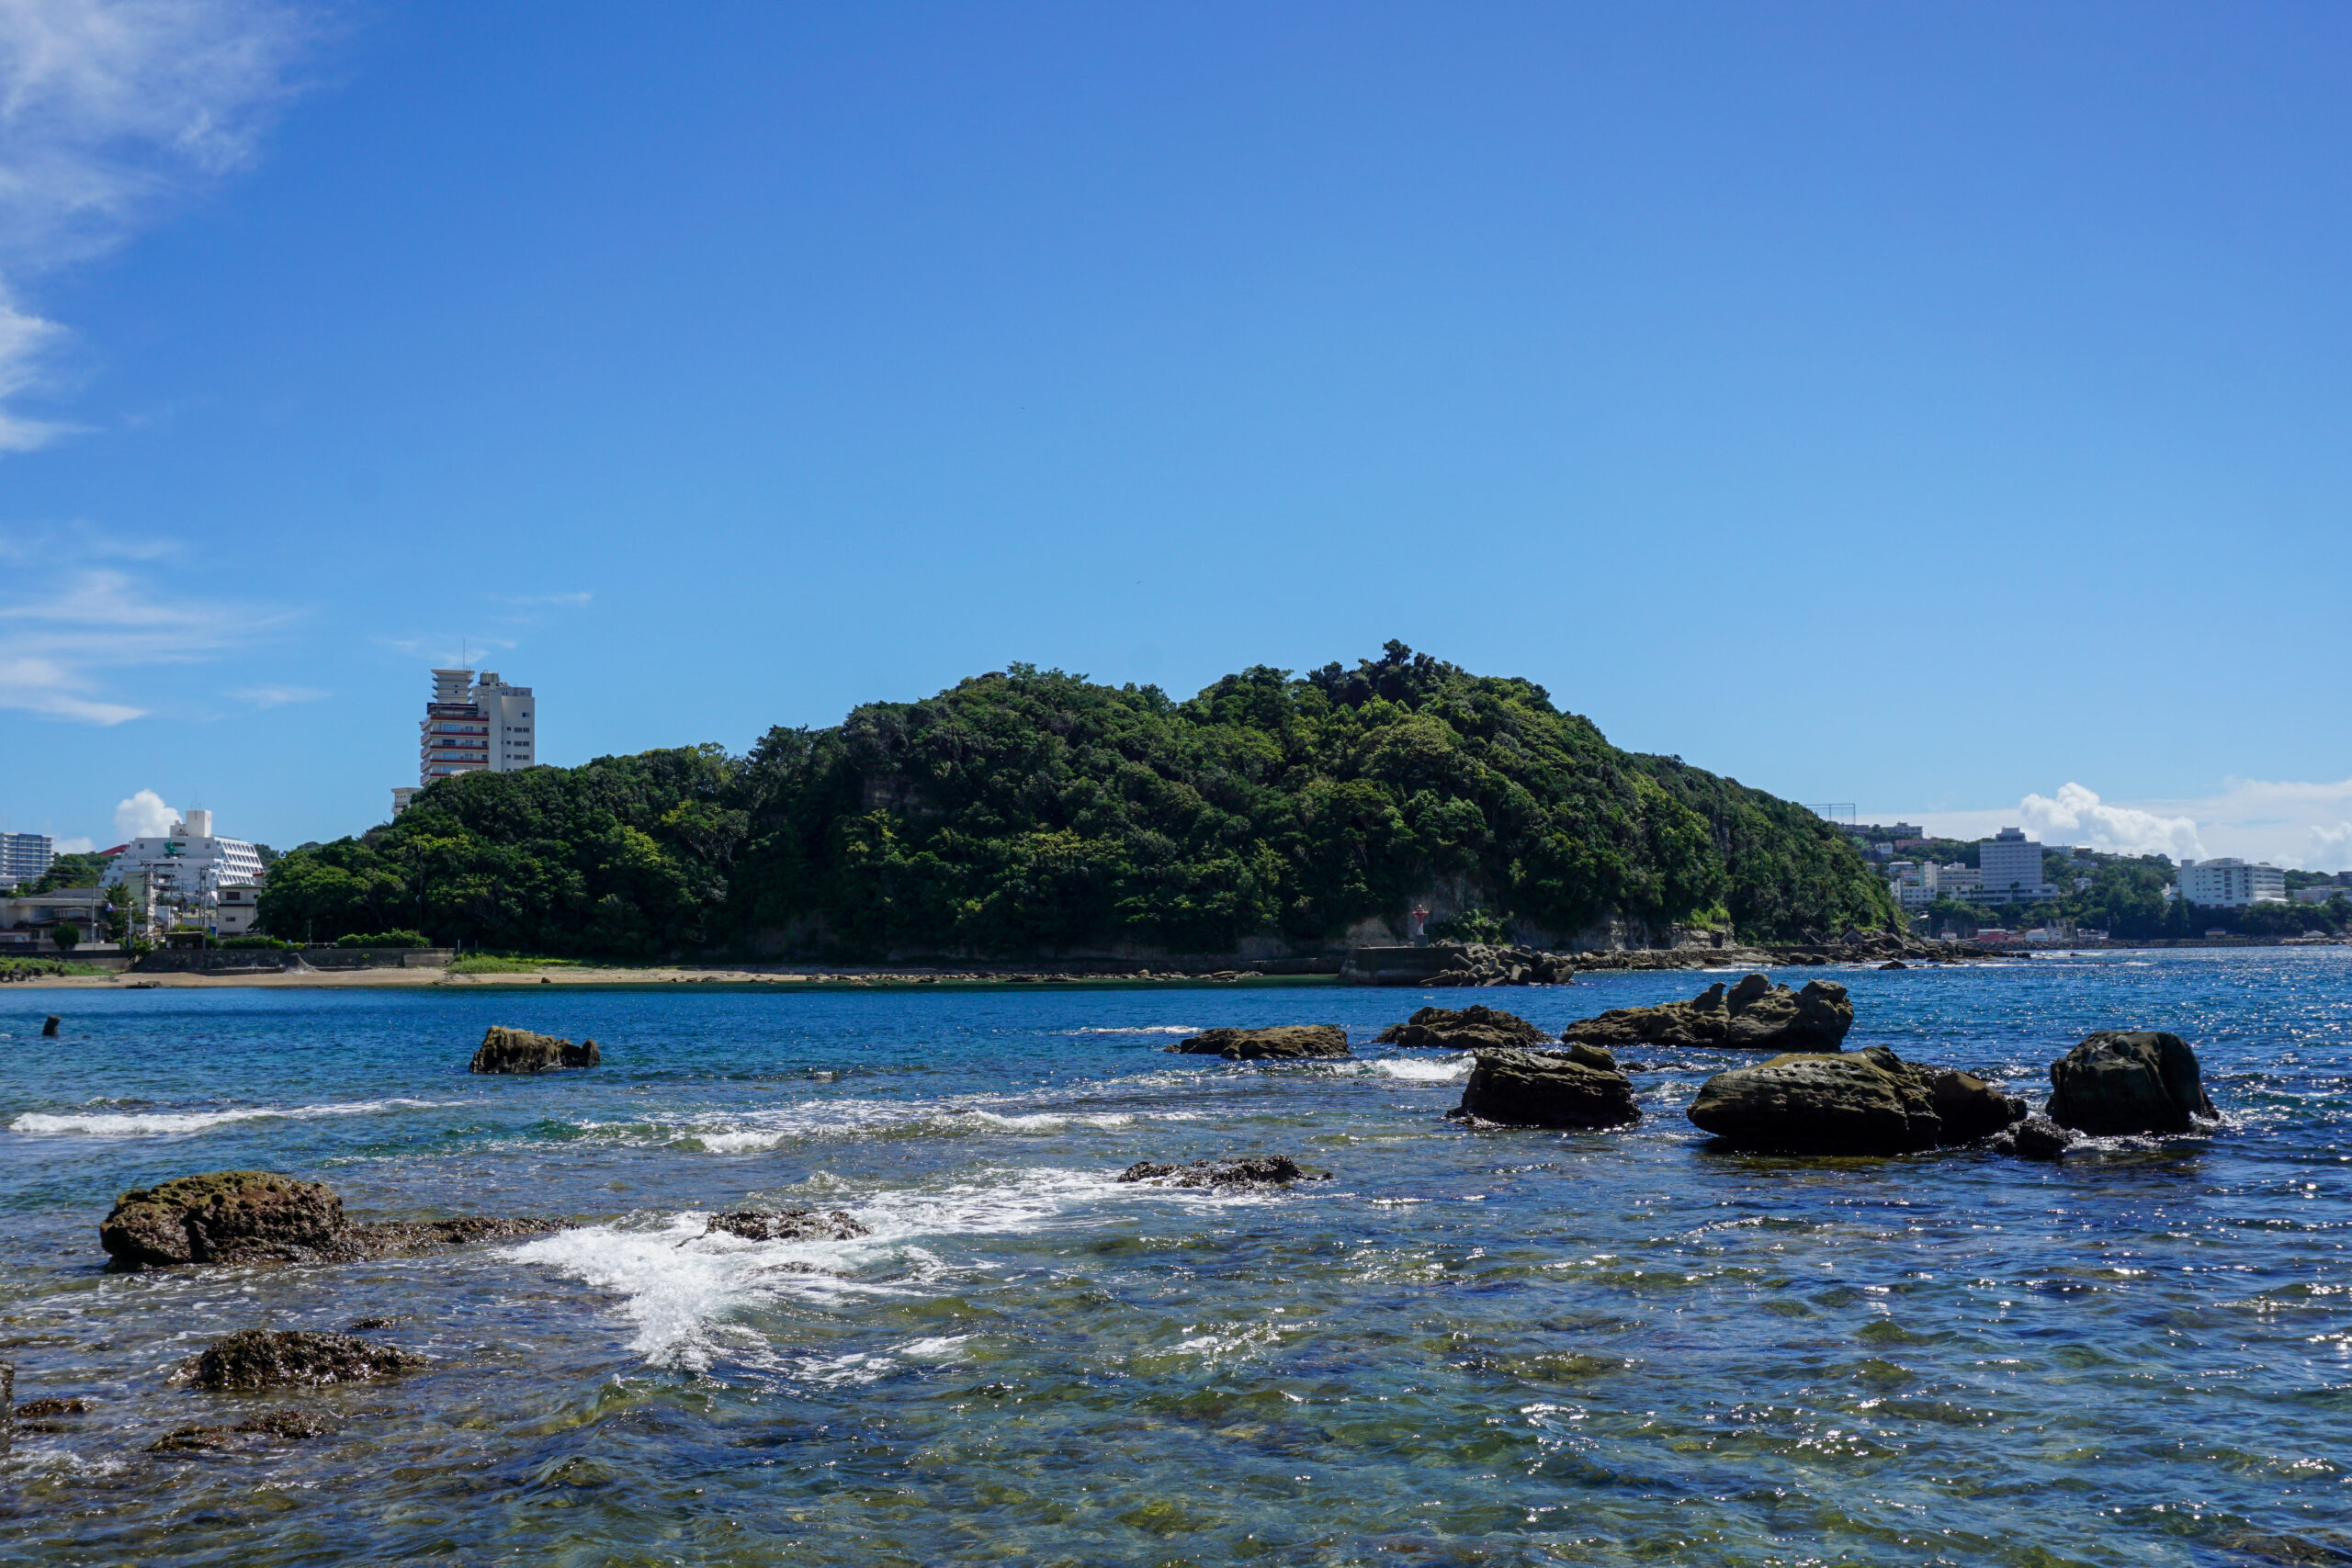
<point>1922,407</point>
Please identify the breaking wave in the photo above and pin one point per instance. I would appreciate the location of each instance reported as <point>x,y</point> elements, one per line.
<point>152,1124</point>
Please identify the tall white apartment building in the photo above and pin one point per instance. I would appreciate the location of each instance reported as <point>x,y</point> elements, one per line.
<point>23,858</point>
<point>2227,884</point>
<point>2009,865</point>
<point>473,726</point>
<point>186,867</point>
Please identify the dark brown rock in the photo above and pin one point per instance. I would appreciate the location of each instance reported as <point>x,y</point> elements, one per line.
<point>1581,1087</point>
<point>504,1050</point>
<point>1754,1015</point>
<point>224,1216</point>
<point>45,1408</point>
<point>262,1358</point>
<point>409,1238</point>
<point>2036,1137</point>
<point>1248,1171</point>
<point>1471,1028</point>
<point>1281,1042</point>
<point>1864,1102</point>
<point>1970,1108</point>
<point>2119,1081</point>
<point>290,1425</point>
<point>788,1224</point>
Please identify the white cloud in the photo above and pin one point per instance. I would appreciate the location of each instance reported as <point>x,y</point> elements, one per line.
<point>2076,816</point>
<point>143,816</point>
<point>278,696</point>
<point>62,630</point>
<point>74,846</point>
<point>2287,822</point>
<point>112,112</point>
<point>2331,848</point>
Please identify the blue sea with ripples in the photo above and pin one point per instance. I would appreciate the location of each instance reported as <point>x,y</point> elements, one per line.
<point>1483,1346</point>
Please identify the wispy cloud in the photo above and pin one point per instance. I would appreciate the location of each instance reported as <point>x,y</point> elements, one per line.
<point>112,112</point>
<point>64,631</point>
<point>562,601</point>
<point>464,653</point>
<point>278,696</point>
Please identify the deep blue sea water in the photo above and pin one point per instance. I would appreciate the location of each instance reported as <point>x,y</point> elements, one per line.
<point>1491,1346</point>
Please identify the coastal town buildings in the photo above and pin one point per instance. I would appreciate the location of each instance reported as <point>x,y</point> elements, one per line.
<point>27,924</point>
<point>472,725</point>
<point>184,870</point>
<point>2009,866</point>
<point>24,857</point>
<point>2228,883</point>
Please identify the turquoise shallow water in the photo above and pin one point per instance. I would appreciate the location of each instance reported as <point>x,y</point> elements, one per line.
<point>1470,1347</point>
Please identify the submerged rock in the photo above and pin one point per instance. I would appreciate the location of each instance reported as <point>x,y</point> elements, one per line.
<point>2036,1137</point>
<point>1281,1042</point>
<point>2120,1081</point>
<point>224,1216</point>
<point>1755,1015</point>
<point>1865,1102</point>
<point>1581,1086</point>
<point>788,1224</point>
<point>504,1050</point>
<point>1246,1170</point>
<point>1970,1108</point>
<point>1471,1028</point>
<point>260,1216</point>
<point>292,1424</point>
<point>265,1357</point>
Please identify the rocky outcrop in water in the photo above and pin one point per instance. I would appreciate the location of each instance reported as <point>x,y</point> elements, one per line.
<point>2036,1137</point>
<point>266,1358</point>
<point>1969,1108</point>
<point>1245,1171</point>
<point>1282,1043</point>
<point>260,1216</point>
<point>504,1050</point>
<point>1755,1015</point>
<point>788,1224</point>
<point>1479,964</point>
<point>1864,1102</point>
<point>1581,1086</point>
<point>223,1216</point>
<point>2119,1081</point>
<point>1472,1028</point>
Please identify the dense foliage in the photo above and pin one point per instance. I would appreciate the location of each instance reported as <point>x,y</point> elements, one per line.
<point>1031,811</point>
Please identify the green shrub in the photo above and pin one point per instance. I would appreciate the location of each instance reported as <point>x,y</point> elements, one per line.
<point>385,939</point>
<point>66,935</point>
<point>255,941</point>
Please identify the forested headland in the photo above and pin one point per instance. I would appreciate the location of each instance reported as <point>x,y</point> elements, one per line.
<point>1032,812</point>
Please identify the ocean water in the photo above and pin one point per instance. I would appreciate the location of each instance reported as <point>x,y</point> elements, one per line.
<point>1489,1347</point>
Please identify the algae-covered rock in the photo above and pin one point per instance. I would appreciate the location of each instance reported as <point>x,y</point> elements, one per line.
<point>2036,1137</point>
<point>1471,1028</point>
<point>1754,1015</point>
<point>1279,1042</point>
<point>223,1216</point>
<point>788,1224</point>
<point>1864,1102</point>
<point>1581,1086</point>
<point>2120,1081</point>
<point>1245,1171</point>
<point>264,1358</point>
<point>504,1050</point>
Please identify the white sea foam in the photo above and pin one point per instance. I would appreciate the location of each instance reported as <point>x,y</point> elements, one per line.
<point>149,1124</point>
<point>870,1118</point>
<point>1145,1029</point>
<point>1423,1069</point>
<point>685,1291</point>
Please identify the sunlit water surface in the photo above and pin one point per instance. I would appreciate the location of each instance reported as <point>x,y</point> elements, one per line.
<point>1499,1347</point>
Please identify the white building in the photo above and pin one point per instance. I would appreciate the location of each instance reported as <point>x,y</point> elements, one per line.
<point>474,726</point>
<point>1956,880</point>
<point>1912,884</point>
<point>238,909</point>
<point>2230,883</point>
<point>2009,866</point>
<point>23,858</point>
<point>2320,892</point>
<point>185,869</point>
